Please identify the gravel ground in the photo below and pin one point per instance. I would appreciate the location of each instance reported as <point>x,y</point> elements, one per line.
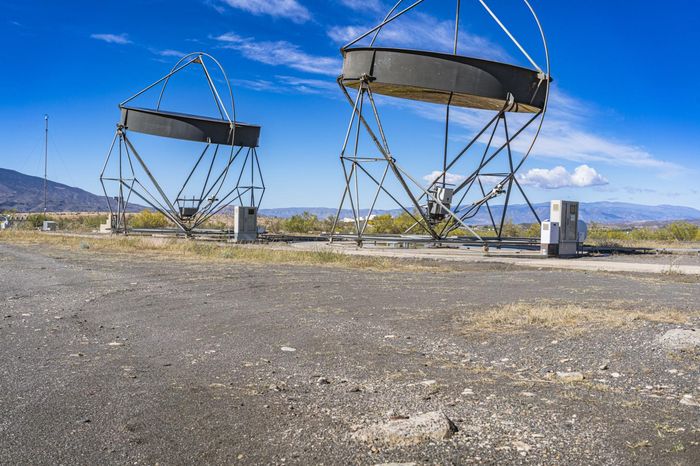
<point>115,359</point>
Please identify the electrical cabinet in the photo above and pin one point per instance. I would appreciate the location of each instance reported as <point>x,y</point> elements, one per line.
<point>245,223</point>
<point>565,213</point>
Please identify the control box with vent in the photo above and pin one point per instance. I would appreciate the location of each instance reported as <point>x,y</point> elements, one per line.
<point>245,223</point>
<point>565,213</point>
<point>549,239</point>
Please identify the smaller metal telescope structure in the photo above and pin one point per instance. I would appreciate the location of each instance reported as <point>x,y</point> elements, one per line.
<point>224,171</point>
<point>503,101</point>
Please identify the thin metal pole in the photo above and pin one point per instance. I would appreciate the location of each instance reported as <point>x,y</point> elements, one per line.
<point>164,78</point>
<point>46,158</point>
<point>346,141</point>
<point>388,15</point>
<point>384,23</point>
<point>498,21</point>
<point>510,179</point>
<point>457,27</point>
<point>260,175</point>
<point>355,151</point>
<point>447,139</point>
<point>252,179</point>
<point>120,195</point>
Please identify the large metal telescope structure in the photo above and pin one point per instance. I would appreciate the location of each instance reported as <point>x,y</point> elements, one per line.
<point>487,164</point>
<point>225,169</point>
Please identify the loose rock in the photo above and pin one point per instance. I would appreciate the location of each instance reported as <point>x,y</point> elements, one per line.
<point>395,464</point>
<point>412,431</point>
<point>680,339</point>
<point>570,376</point>
<point>689,401</point>
<point>522,447</point>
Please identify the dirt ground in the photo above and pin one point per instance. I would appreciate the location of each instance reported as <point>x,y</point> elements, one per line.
<point>121,358</point>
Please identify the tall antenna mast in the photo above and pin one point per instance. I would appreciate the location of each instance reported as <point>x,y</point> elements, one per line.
<point>46,157</point>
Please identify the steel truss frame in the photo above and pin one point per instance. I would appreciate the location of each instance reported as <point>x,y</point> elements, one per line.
<point>188,214</point>
<point>354,165</point>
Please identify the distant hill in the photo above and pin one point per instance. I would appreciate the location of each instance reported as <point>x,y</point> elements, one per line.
<point>25,193</point>
<point>600,212</point>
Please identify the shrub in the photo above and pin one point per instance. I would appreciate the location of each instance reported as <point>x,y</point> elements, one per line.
<point>36,220</point>
<point>682,231</point>
<point>148,219</point>
<point>303,223</point>
<point>384,224</point>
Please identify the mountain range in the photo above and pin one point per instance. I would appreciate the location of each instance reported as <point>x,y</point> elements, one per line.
<point>25,193</point>
<point>599,212</point>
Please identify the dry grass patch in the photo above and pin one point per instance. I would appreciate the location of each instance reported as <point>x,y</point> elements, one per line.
<point>182,249</point>
<point>521,316</point>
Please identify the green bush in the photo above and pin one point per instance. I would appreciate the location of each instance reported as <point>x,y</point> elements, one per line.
<point>677,231</point>
<point>304,223</point>
<point>36,220</point>
<point>384,224</point>
<point>682,231</point>
<point>81,222</point>
<point>148,219</point>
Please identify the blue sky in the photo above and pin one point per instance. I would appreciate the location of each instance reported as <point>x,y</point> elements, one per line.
<point>622,127</point>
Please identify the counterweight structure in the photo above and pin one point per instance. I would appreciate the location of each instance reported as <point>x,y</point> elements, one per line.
<point>486,166</point>
<point>225,170</point>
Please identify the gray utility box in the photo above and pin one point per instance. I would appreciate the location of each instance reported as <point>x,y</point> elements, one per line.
<point>49,226</point>
<point>549,242</point>
<point>565,213</point>
<point>444,195</point>
<point>245,223</point>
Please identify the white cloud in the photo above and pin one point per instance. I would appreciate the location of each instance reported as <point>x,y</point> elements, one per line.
<point>290,9</point>
<point>256,84</point>
<point>308,86</point>
<point>288,85</point>
<point>583,176</point>
<point>364,5</point>
<point>121,39</point>
<point>170,53</point>
<point>281,53</point>
<point>450,178</point>
<point>566,134</point>
<point>422,31</point>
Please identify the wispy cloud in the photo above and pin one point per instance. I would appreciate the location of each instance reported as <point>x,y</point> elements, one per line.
<point>364,5</point>
<point>281,53</point>
<point>450,178</point>
<point>256,84</point>
<point>583,176</point>
<point>423,31</point>
<point>309,86</point>
<point>121,39</point>
<point>289,84</point>
<point>170,53</point>
<point>567,134</point>
<point>289,9</point>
